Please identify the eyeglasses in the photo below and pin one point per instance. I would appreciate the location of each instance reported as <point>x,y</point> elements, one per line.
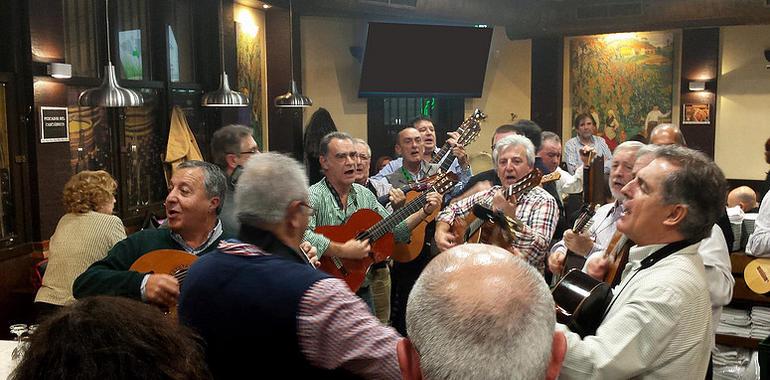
<point>310,209</point>
<point>253,151</point>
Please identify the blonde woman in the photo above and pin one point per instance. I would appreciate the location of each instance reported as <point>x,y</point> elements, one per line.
<point>82,237</point>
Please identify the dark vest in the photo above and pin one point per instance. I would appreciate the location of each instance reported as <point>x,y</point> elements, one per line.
<point>245,308</point>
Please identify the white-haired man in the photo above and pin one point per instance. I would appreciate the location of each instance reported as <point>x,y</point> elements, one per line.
<point>603,222</point>
<point>261,288</point>
<point>477,290</point>
<point>538,210</point>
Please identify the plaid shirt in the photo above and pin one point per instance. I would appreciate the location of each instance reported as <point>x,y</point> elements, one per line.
<point>536,209</point>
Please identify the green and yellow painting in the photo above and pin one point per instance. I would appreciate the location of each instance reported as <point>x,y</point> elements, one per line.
<point>624,80</point>
<point>249,51</point>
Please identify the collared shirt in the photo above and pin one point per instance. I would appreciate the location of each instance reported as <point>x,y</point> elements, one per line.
<point>759,241</point>
<point>572,153</point>
<point>536,209</point>
<point>329,213</point>
<point>569,184</point>
<point>657,327</point>
<point>210,239</point>
<point>715,255</point>
<point>601,230</point>
<point>464,174</point>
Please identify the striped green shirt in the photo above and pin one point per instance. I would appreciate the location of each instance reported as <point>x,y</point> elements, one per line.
<point>328,213</point>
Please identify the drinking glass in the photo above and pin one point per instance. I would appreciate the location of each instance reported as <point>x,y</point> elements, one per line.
<point>18,329</point>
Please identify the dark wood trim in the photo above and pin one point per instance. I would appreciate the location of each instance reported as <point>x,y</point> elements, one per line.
<point>285,132</point>
<point>547,77</point>
<point>700,61</point>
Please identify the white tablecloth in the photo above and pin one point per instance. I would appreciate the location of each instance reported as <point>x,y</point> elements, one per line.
<point>6,348</point>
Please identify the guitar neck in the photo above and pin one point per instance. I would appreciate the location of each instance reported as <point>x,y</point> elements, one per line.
<point>388,223</point>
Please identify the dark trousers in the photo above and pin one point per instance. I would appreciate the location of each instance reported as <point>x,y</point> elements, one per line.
<point>402,277</point>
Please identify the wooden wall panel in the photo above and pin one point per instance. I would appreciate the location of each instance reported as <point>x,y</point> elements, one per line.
<point>700,61</point>
<point>547,73</point>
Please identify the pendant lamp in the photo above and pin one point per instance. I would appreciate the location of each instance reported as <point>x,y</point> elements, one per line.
<point>223,96</point>
<point>110,93</point>
<point>293,98</point>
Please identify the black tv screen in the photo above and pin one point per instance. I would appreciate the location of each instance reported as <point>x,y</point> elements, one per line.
<point>432,60</point>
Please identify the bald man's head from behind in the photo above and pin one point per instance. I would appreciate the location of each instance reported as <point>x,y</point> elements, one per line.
<point>743,196</point>
<point>667,134</point>
<point>479,312</point>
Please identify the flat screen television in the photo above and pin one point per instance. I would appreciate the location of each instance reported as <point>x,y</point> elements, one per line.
<point>426,60</point>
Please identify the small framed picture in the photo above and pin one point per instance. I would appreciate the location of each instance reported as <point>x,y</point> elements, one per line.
<point>696,114</point>
<point>54,124</point>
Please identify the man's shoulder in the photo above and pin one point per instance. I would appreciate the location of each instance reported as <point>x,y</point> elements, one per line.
<point>541,195</point>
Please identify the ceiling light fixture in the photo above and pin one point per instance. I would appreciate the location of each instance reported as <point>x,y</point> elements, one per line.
<point>223,96</point>
<point>110,93</point>
<point>293,98</point>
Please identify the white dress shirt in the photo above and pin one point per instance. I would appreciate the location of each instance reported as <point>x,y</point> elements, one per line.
<point>759,241</point>
<point>657,327</point>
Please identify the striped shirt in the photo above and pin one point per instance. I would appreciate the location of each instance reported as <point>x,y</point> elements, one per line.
<point>572,153</point>
<point>536,209</point>
<point>658,325</point>
<point>79,241</point>
<point>329,213</point>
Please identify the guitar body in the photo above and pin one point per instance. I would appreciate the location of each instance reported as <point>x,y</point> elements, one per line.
<point>581,301</point>
<point>405,252</point>
<point>165,261</point>
<point>353,271</point>
<point>757,275</point>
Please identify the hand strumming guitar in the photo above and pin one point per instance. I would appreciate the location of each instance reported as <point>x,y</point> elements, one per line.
<point>597,267</point>
<point>397,198</point>
<point>162,289</point>
<point>500,203</point>
<point>351,249</point>
<point>311,252</point>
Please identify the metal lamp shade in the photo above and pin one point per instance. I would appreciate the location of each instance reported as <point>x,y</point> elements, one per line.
<point>293,98</point>
<point>110,93</point>
<point>224,96</point>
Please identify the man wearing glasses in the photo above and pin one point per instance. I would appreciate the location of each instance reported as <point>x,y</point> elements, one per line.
<point>231,147</point>
<point>261,289</point>
<point>336,197</point>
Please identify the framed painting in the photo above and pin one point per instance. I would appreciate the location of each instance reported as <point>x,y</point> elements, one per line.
<point>696,114</point>
<point>251,78</point>
<point>623,80</point>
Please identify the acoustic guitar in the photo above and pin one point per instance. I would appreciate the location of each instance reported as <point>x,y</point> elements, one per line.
<point>165,261</point>
<point>367,224</point>
<point>582,300</point>
<point>757,275</point>
<point>573,260</point>
<point>472,229</point>
<point>469,130</point>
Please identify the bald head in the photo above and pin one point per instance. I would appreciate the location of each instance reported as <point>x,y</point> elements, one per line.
<point>667,134</point>
<point>743,196</point>
<point>477,290</point>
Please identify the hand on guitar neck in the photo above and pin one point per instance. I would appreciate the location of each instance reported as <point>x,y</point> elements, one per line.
<point>457,149</point>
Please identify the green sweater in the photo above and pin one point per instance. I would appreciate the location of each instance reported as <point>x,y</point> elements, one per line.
<point>110,276</point>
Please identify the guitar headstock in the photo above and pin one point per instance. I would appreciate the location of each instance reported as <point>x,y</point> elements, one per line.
<point>444,182</point>
<point>583,222</point>
<point>470,128</point>
<point>550,177</point>
<point>532,179</point>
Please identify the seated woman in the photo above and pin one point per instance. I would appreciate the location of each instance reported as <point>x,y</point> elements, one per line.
<point>82,237</point>
<point>111,338</point>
